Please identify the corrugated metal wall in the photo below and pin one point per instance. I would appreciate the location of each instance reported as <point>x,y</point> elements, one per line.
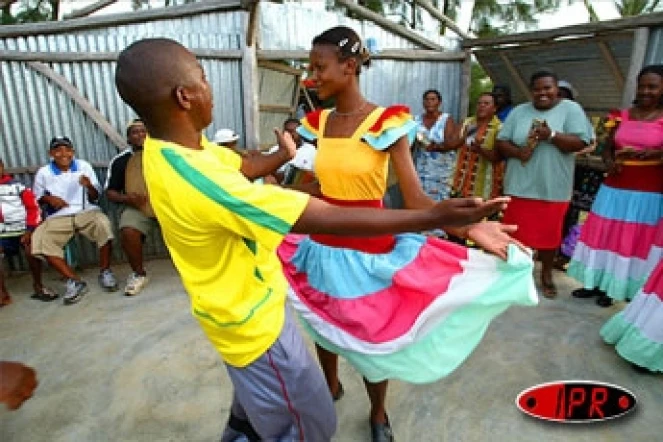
<point>655,46</point>
<point>33,109</point>
<point>293,26</point>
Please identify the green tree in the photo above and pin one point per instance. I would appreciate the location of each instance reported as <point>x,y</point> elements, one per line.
<point>480,82</point>
<point>630,8</point>
<point>28,11</point>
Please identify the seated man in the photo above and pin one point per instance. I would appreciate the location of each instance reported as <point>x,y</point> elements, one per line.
<point>19,217</point>
<point>69,187</point>
<point>134,224</point>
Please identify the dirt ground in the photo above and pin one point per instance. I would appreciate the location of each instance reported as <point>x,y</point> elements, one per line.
<point>113,368</point>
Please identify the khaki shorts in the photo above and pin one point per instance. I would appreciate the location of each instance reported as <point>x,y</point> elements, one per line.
<point>53,234</point>
<point>135,219</point>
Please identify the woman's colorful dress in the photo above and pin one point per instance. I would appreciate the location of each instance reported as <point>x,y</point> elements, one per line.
<point>475,175</point>
<point>616,251</point>
<point>637,331</point>
<point>406,306</point>
<point>434,168</point>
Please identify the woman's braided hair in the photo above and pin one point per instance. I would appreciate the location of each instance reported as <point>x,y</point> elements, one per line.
<point>347,42</point>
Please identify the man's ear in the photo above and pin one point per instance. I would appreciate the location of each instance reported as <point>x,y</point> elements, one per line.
<point>182,97</point>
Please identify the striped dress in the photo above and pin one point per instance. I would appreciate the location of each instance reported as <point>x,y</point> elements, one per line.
<point>406,306</point>
<point>616,250</point>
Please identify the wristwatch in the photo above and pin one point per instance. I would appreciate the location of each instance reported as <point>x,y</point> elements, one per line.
<point>552,135</point>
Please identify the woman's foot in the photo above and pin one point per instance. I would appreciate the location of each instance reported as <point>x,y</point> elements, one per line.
<point>338,394</point>
<point>604,301</point>
<point>44,294</point>
<point>548,286</point>
<point>381,432</point>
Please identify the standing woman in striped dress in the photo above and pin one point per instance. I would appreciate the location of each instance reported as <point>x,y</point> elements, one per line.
<point>615,252</point>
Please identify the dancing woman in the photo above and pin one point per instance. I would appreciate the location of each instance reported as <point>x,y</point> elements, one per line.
<point>405,306</point>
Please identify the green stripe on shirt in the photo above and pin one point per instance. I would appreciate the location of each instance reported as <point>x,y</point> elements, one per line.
<point>205,315</point>
<point>212,190</point>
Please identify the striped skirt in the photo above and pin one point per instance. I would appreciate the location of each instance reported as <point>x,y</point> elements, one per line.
<point>414,312</point>
<point>637,331</point>
<point>617,248</point>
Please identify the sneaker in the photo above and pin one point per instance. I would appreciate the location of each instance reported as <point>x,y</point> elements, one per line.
<point>107,280</point>
<point>75,291</point>
<point>135,284</point>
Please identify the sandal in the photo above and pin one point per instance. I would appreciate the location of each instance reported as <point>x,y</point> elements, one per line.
<point>45,295</point>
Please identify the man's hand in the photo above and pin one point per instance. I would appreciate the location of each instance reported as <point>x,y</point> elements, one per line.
<point>493,237</point>
<point>55,202</point>
<point>26,239</point>
<point>463,211</point>
<point>525,154</point>
<point>17,383</point>
<point>84,181</point>
<point>287,145</point>
<point>135,200</point>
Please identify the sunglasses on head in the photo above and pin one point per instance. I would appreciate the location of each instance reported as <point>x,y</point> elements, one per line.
<point>60,141</point>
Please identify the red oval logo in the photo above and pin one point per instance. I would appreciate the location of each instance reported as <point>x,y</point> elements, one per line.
<point>576,401</point>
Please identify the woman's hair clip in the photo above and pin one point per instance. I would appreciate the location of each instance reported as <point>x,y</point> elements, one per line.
<point>343,42</point>
<point>355,47</point>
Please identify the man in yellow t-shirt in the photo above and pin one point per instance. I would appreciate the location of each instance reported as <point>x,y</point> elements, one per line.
<point>222,231</point>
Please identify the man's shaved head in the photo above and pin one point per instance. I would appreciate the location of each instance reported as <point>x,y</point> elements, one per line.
<point>148,73</point>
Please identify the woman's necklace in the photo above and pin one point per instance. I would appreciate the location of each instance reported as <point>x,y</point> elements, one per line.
<point>354,112</point>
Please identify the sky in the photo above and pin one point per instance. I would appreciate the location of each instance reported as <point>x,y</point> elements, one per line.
<point>568,14</point>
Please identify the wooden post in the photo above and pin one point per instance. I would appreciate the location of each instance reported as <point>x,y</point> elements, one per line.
<point>612,64</point>
<point>465,81</point>
<point>449,23</point>
<point>388,25</point>
<point>638,53</point>
<point>250,81</point>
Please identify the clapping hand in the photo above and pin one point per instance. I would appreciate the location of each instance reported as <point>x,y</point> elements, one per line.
<point>84,181</point>
<point>286,144</point>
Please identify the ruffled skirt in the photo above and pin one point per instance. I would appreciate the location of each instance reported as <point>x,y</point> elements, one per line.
<point>414,313</point>
<point>620,243</point>
<point>637,331</point>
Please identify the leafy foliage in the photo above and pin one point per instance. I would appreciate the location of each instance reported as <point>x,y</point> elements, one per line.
<point>28,11</point>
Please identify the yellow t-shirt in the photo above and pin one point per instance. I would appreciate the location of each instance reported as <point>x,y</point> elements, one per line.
<point>222,232</point>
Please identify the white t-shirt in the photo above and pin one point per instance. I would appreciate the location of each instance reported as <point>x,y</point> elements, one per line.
<point>50,180</point>
<point>304,157</point>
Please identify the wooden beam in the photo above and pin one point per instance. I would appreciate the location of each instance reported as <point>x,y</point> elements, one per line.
<point>655,19</point>
<point>638,54</point>
<point>250,83</point>
<point>104,21</point>
<point>48,57</point>
<point>251,33</point>
<point>516,76</point>
<point>449,23</point>
<point>612,64</point>
<point>115,137</point>
<point>90,9</point>
<point>279,67</point>
<point>387,54</point>
<point>276,108</point>
<point>388,25</point>
<point>465,81</point>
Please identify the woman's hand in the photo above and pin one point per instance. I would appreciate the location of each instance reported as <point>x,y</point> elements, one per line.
<point>493,237</point>
<point>525,154</point>
<point>17,383</point>
<point>464,211</point>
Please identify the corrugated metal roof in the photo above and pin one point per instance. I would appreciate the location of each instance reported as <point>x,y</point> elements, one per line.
<point>577,61</point>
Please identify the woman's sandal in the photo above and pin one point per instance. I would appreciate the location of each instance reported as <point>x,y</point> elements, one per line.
<point>45,295</point>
